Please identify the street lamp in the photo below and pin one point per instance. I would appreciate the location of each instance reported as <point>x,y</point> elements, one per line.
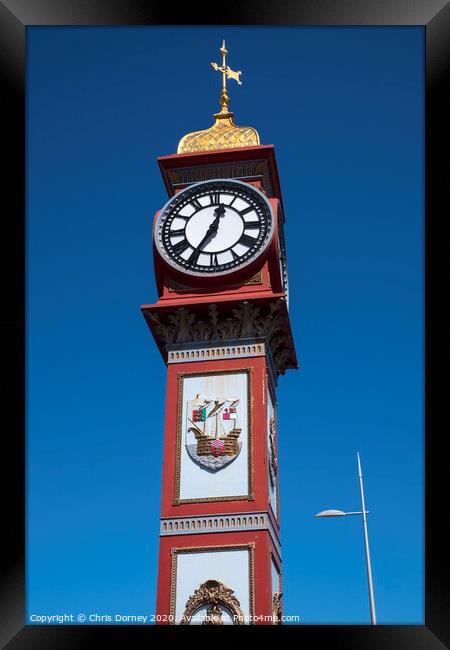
<point>363,512</point>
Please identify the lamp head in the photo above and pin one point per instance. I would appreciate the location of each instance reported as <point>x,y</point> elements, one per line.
<point>331,513</point>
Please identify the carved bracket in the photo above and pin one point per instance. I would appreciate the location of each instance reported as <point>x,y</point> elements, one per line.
<point>246,320</point>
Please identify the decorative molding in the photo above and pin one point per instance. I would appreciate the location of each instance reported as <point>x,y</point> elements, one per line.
<point>213,593</point>
<point>251,170</point>
<point>219,523</point>
<point>242,497</point>
<point>247,320</point>
<point>203,352</point>
<point>174,551</point>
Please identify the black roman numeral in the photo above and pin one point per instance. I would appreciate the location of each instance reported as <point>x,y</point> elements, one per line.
<point>246,240</point>
<point>176,233</point>
<point>180,247</point>
<point>247,210</point>
<point>196,204</point>
<point>214,260</point>
<point>214,198</point>
<point>252,225</point>
<point>235,255</point>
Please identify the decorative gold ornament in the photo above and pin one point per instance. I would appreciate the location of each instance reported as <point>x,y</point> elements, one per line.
<point>214,594</point>
<point>213,616</point>
<point>277,608</point>
<point>224,133</point>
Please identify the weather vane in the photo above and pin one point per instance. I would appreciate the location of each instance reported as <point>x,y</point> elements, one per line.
<point>227,73</point>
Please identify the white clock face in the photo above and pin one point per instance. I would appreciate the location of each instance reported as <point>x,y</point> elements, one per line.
<point>214,227</point>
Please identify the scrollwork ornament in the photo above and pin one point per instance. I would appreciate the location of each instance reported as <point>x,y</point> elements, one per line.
<point>277,608</point>
<point>213,594</point>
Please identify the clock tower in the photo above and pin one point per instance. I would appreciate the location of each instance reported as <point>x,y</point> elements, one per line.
<point>221,323</point>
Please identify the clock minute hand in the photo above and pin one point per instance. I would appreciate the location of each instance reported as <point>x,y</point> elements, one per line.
<point>209,232</point>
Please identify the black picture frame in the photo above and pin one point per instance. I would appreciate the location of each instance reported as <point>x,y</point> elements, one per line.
<point>15,16</point>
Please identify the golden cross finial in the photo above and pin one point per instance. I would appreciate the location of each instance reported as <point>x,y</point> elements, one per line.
<point>227,73</point>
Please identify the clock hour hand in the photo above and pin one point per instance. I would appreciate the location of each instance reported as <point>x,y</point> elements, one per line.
<point>213,228</point>
<point>219,212</point>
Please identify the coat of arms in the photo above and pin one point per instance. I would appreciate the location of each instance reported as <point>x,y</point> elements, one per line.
<point>213,422</point>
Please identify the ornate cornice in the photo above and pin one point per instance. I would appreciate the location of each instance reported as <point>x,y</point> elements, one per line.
<point>250,170</point>
<point>221,323</point>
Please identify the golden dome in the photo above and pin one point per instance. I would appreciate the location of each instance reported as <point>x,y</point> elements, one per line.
<point>224,133</point>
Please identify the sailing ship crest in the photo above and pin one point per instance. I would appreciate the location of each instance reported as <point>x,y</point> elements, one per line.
<point>213,422</point>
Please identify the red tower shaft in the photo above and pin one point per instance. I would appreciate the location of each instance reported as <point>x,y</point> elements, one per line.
<point>225,340</point>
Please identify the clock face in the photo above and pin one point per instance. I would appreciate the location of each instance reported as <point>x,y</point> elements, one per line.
<point>214,227</point>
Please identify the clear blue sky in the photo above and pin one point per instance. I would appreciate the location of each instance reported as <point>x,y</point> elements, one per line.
<point>344,109</point>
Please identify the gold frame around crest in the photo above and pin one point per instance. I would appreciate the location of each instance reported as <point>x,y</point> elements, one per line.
<point>177,486</point>
<point>175,551</point>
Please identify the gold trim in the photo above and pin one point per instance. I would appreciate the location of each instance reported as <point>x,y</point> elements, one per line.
<point>241,497</point>
<point>175,551</point>
<point>256,279</point>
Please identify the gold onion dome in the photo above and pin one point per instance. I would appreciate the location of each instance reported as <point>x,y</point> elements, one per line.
<point>224,133</point>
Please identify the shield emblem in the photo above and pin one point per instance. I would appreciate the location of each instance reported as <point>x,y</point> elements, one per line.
<point>212,431</point>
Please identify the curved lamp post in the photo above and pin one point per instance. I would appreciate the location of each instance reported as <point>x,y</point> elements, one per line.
<point>363,512</point>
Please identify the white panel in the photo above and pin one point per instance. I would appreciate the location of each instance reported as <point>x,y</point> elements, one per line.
<point>197,481</point>
<point>228,566</point>
<point>275,578</point>
<point>272,488</point>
